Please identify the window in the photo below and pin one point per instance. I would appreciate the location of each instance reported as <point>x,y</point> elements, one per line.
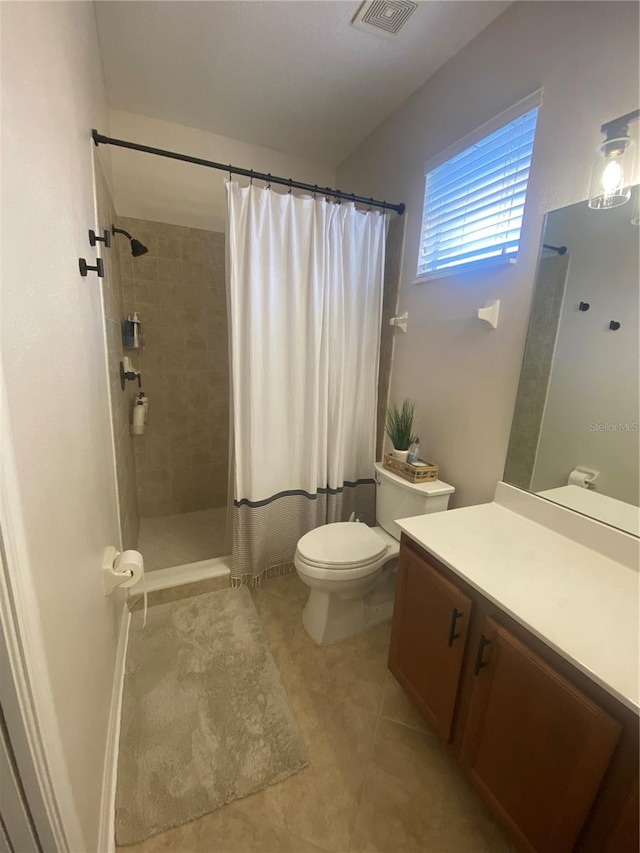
<point>474,200</point>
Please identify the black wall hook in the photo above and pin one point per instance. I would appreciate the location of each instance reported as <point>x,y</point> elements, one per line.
<point>94,239</point>
<point>85,268</point>
<point>584,306</point>
<point>614,325</point>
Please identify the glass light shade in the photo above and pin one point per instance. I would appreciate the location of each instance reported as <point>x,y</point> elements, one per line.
<point>635,210</point>
<point>611,174</point>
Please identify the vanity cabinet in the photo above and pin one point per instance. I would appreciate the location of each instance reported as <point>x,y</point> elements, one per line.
<point>552,754</point>
<point>535,746</point>
<point>430,622</point>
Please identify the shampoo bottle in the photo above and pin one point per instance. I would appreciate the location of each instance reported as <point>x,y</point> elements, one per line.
<point>137,421</point>
<point>142,398</point>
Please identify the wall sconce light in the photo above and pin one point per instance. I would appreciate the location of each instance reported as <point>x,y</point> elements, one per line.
<point>635,213</point>
<point>612,171</point>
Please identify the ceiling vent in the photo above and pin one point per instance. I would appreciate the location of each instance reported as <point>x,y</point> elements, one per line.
<point>384,17</point>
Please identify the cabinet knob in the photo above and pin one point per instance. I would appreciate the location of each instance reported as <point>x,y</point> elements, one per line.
<point>484,642</point>
<point>455,615</point>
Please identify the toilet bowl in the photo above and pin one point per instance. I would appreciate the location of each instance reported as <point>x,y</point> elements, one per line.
<point>350,568</point>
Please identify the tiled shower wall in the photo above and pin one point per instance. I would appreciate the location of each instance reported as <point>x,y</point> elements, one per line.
<point>121,401</point>
<point>536,369</point>
<point>392,272</point>
<point>178,290</point>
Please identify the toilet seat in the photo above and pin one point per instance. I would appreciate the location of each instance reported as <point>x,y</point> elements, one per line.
<point>340,546</point>
<point>321,557</point>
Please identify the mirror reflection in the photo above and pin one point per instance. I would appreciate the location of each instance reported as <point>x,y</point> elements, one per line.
<point>574,436</point>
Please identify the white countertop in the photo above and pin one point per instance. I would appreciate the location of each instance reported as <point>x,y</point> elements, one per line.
<point>580,603</point>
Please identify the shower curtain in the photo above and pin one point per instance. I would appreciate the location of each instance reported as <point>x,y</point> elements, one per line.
<point>305,301</point>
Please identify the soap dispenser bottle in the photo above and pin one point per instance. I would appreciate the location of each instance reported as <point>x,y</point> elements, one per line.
<point>127,333</point>
<point>135,324</point>
<point>414,452</point>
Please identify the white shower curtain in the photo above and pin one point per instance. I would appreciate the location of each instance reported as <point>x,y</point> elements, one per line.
<point>305,300</point>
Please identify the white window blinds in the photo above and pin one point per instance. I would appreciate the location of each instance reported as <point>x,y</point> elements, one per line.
<point>474,201</point>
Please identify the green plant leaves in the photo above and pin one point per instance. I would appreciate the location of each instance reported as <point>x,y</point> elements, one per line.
<point>399,425</point>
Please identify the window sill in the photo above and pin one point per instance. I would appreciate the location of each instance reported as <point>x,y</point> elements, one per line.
<point>465,269</point>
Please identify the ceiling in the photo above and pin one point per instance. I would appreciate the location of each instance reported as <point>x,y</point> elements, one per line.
<point>291,76</point>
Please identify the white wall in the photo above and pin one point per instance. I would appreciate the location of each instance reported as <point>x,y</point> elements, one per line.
<point>163,190</point>
<point>463,374</point>
<point>53,355</point>
<point>594,376</point>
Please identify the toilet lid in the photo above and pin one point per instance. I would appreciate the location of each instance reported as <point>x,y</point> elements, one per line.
<point>347,543</point>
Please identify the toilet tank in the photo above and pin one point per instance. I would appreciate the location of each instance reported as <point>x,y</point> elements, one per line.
<point>398,498</point>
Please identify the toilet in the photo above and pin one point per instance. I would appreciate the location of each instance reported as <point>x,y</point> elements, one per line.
<point>350,568</point>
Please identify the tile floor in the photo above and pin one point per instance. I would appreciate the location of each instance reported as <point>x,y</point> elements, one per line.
<point>378,779</point>
<point>173,540</point>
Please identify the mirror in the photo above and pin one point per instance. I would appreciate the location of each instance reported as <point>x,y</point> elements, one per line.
<point>574,436</point>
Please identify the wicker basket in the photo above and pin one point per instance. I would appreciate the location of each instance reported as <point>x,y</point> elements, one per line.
<point>410,472</point>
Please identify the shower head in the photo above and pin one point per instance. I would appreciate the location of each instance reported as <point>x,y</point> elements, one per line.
<point>561,250</point>
<point>137,248</point>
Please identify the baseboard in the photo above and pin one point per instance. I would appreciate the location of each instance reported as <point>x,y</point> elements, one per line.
<point>188,573</point>
<point>106,836</point>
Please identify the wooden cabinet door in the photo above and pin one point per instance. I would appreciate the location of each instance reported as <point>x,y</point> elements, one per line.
<point>534,745</point>
<point>430,621</point>
<point>624,836</point>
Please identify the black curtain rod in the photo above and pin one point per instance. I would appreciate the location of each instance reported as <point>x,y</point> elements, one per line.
<point>99,139</point>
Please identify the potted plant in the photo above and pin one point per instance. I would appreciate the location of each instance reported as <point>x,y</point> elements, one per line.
<point>399,427</point>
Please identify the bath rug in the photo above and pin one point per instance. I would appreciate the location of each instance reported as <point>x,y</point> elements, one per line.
<point>205,718</point>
